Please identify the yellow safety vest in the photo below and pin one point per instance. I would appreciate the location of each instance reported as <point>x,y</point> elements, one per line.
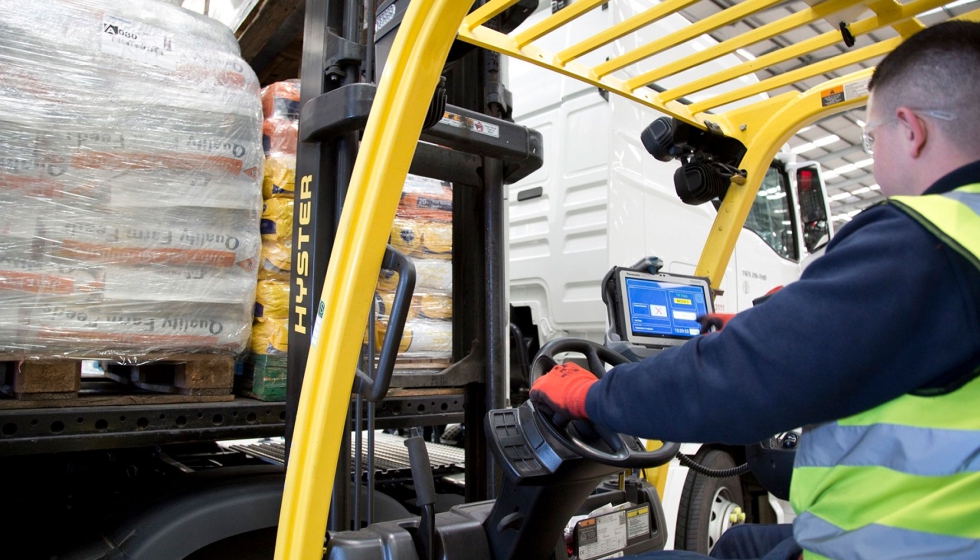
<point>901,480</point>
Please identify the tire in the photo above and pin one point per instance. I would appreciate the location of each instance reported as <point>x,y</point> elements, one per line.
<point>697,525</point>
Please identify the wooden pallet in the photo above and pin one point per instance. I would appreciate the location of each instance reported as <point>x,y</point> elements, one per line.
<point>58,381</point>
<point>404,363</point>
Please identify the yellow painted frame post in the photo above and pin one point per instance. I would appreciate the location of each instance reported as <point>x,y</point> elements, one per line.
<point>411,73</point>
<point>767,126</point>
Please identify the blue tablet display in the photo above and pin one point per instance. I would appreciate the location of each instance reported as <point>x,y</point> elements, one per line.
<point>664,309</point>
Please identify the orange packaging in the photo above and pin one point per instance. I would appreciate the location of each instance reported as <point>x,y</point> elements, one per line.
<point>436,205</point>
<point>281,99</point>
<point>279,136</point>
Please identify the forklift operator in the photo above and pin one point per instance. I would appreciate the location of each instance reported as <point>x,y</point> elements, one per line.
<point>876,349</point>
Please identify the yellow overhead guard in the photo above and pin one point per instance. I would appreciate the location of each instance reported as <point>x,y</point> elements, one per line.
<point>762,126</point>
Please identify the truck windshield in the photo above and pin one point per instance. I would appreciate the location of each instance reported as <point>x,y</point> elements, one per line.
<point>770,216</point>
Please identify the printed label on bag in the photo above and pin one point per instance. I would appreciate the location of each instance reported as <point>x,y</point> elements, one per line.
<point>137,41</point>
<point>601,536</point>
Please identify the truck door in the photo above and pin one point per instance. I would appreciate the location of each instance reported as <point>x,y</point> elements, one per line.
<point>768,252</point>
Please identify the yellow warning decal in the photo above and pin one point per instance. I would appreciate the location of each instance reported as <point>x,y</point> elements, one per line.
<point>832,96</point>
<point>638,511</point>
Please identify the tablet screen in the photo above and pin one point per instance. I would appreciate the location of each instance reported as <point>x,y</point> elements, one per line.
<point>660,310</point>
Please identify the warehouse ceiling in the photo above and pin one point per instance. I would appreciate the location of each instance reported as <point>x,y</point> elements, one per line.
<point>271,39</point>
<point>834,142</point>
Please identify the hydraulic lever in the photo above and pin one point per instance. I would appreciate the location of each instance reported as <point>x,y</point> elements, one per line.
<point>425,491</point>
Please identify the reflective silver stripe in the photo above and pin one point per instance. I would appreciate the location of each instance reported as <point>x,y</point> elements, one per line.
<point>878,541</point>
<point>906,449</point>
<point>970,200</point>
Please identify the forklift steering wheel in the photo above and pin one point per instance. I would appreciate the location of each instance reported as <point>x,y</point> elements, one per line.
<point>626,450</point>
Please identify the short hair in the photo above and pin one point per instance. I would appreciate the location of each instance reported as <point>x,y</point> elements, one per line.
<point>937,68</point>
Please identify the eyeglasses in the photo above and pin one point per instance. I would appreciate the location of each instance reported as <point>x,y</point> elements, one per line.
<point>868,129</point>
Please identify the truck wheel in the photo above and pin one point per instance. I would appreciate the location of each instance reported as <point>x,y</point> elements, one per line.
<point>708,504</point>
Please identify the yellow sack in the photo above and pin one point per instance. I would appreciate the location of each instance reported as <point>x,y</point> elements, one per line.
<point>421,338</point>
<point>430,274</point>
<point>437,239</point>
<point>272,300</point>
<point>436,306</point>
<point>279,180</point>
<point>270,337</point>
<point>406,236</point>
<point>384,301</point>
<point>277,219</point>
<point>276,261</point>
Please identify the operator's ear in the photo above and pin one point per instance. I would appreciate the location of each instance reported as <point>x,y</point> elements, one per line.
<point>914,131</point>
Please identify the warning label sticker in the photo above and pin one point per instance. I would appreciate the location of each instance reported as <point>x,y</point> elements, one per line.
<point>601,536</point>
<point>832,96</point>
<point>846,92</point>
<point>854,90</point>
<point>481,127</point>
<point>638,522</point>
<point>137,41</point>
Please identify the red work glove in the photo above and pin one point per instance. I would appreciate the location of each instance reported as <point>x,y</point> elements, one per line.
<point>561,392</point>
<point>714,321</point>
<point>762,299</point>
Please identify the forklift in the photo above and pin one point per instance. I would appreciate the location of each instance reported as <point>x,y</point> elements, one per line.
<point>418,86</point>
<point>545,468</point>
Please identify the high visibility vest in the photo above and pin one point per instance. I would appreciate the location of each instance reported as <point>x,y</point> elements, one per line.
<point>901,480</point>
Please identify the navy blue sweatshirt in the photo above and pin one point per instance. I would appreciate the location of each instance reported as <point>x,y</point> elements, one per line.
<point>888,310</point>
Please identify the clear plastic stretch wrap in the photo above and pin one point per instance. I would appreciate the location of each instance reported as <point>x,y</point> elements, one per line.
<point>423,230</point>
<point>131,170</point>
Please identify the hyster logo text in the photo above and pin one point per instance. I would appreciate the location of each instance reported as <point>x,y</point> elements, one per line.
<point>303,253</point>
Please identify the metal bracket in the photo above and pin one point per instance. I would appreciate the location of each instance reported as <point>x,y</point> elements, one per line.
<point>346,109</point>
<point>500,96</point>
<point>343,53</point>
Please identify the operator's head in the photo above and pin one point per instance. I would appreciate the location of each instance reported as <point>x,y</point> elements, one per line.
<point>924,108</point>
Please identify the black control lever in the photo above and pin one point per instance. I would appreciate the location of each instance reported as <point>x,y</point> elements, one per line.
<point>425,491</point>
<point>373,389</point>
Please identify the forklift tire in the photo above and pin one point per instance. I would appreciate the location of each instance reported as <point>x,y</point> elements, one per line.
<point>705,501</point>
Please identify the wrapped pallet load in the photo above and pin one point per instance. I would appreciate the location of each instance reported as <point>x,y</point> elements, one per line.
<point>131,168</point>
<point>422,229</point>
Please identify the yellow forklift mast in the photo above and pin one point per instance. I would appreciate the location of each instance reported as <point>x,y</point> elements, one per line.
<point>411,74</point>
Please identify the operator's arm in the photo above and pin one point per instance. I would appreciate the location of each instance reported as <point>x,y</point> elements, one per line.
<point>886,311</point>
